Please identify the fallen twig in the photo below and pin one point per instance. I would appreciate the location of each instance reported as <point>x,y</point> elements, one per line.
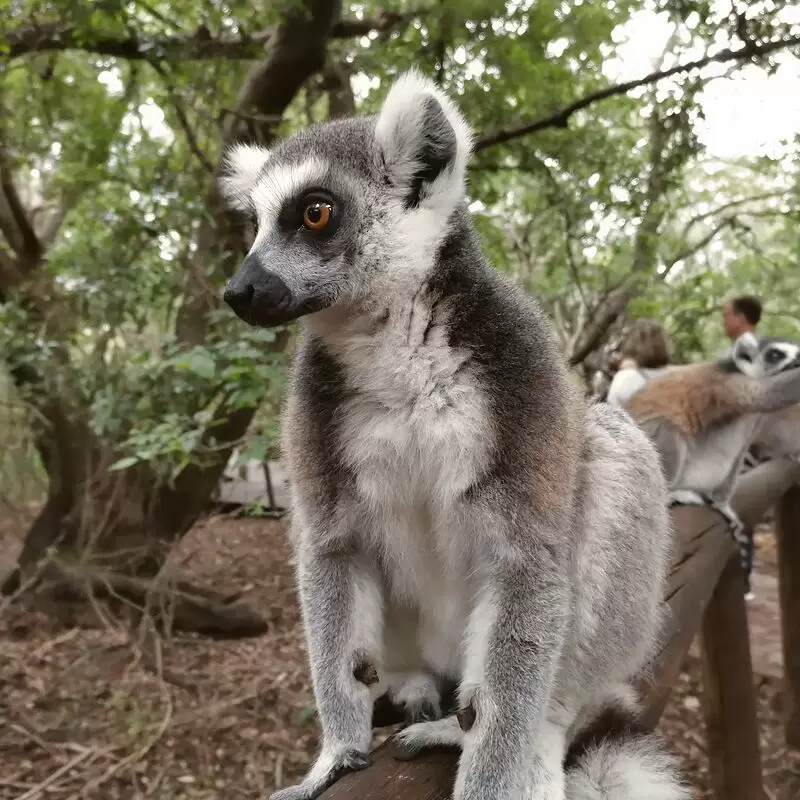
<point>39,789</point>
<point>28,733</point>
<point>51,643</point>
<point>133,757</point>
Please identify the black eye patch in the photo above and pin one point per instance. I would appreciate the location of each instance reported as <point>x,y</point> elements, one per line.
<point>773,356</point>
<point>303,213</point>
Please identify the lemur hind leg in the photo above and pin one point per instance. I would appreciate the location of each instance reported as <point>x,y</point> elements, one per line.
<point>546,772</point>
<point>440,734</point>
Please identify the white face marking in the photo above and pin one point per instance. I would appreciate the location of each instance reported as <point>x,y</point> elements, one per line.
<point>757,359</point>
<point>243,163</point>
<point>277,185</point>
<point>745,355</point>
<point>247,160</point>
<point>789,352</point>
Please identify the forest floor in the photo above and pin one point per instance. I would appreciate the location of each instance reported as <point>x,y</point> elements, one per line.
<point>95,712</point>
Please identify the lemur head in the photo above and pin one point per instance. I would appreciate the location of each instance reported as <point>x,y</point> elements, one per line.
<point>760,356</point>
<point>346,206</point>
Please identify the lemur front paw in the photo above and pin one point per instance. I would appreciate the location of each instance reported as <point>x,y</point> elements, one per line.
<point>327,770</point>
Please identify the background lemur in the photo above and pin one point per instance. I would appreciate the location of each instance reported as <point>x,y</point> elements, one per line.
<point>458,513</point>
<point>778,436</point>
<point>704,417</point>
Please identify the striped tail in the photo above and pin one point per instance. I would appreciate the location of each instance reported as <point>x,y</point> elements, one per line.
<point>614,757</point>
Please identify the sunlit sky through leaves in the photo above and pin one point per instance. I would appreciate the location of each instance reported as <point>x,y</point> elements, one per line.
<point>749,114</point>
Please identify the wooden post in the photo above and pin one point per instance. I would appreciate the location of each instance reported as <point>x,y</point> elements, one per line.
<point>788,534</point>
<point>729,698</point>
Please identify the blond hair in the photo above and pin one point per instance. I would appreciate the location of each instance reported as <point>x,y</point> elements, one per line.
<point>647,344</point>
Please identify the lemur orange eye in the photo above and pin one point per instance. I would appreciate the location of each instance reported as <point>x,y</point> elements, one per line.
<point>317,215</point>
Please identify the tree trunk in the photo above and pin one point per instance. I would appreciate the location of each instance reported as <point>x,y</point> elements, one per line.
<point>95,520</point>
<point>106,535</point>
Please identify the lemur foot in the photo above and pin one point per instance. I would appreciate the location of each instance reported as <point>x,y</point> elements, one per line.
<point>732,518</point>
<point>418,693</point>
<point>327,770</point>
<point>441,734</point>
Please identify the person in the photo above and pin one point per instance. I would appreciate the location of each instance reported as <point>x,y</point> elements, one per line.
<point>645,352</point>
<point>741,315</point>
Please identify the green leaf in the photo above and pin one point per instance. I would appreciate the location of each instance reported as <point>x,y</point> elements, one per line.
<point>201,364</point>
<point>124,463</point>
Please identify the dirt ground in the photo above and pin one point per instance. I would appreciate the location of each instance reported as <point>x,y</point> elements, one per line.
<point>98,712</point>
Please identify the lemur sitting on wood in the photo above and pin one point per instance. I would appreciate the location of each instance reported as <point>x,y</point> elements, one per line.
<point>458,511</point>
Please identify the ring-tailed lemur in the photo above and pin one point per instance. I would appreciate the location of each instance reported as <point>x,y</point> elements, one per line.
<point>704,417</point>
<point>458,513</point>
<point>778,433</point>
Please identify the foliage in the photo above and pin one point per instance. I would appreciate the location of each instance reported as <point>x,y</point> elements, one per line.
<point>113,159</point>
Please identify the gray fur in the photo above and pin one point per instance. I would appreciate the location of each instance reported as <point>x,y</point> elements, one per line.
<point>779,435</point>
<point>458,513</point>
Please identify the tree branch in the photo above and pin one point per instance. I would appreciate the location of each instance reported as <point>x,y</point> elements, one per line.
<point>48,37</point>
<point>336,82</point>
<point>644,246</point>
<point>560,118</point>
<point>9,275</point>
<point>17,227</point>
<point>741,201</point>
<point>690,249</point>
<point>183,120</point>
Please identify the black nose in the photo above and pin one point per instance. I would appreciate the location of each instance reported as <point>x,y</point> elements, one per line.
<point>239,298</point>
<point>260,297</point>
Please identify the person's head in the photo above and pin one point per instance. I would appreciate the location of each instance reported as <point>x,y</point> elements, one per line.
<point>647,344</point>
<point>741,314</point>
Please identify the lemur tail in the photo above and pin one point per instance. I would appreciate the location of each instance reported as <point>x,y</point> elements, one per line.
<point>615,758</point>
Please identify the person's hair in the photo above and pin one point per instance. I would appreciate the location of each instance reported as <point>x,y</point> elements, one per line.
<point>647,344</point>
<point>748,306</point>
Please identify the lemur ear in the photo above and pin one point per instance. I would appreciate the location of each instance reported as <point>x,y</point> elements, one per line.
<point>745,350</point>
<point>424,142</point>
<point>242,164</point>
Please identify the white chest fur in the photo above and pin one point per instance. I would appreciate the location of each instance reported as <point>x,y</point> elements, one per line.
<point>416,436</point>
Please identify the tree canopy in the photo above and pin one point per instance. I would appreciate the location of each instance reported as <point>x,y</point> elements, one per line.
<point>126,376</point>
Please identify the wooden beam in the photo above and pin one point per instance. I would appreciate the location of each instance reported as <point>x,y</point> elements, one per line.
<point>788,534</point>
<point>702,548</point>
<point>729,697</point>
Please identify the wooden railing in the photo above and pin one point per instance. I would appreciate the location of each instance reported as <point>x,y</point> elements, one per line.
<point>705,595</point>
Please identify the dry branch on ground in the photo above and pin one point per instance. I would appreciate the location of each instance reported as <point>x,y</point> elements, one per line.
<point>197,719</point>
